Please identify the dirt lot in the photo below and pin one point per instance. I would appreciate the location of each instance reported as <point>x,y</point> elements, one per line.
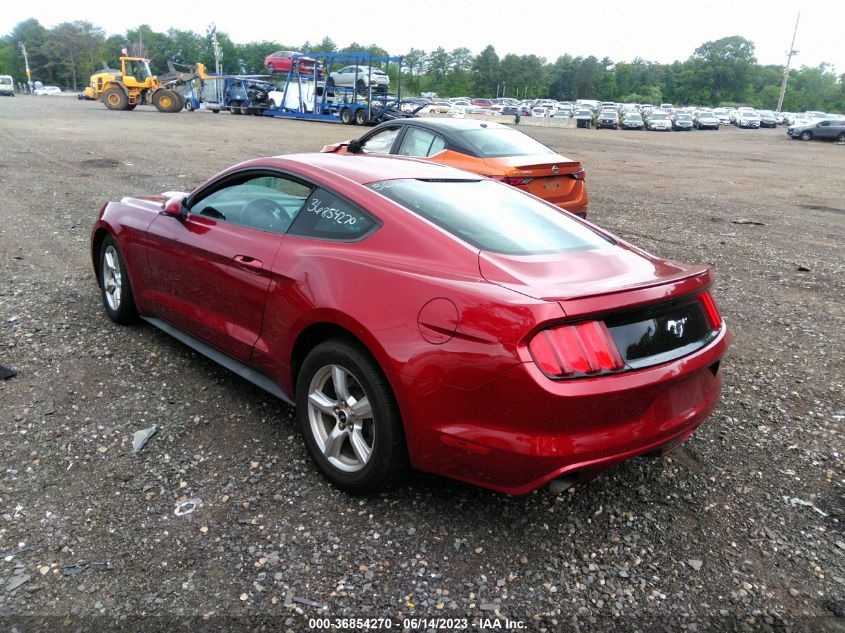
<point>743,529</point>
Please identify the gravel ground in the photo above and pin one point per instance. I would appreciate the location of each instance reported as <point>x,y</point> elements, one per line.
<point>742,529</point>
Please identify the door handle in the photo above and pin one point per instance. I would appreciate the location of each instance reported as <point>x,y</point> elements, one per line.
<point>248,262</point>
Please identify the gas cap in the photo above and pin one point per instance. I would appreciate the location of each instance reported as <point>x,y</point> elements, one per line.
<point>438,320</point>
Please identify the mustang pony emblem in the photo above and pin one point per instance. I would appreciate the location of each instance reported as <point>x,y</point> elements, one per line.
<point>676,327</point>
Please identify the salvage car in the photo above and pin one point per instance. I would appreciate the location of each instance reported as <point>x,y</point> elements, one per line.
<point>682,121</point>
<point>421,316</point>
<point>767,118</point>
<point>632,121</point>
<point>359,77</point>
<point>583,118</point>
<point>608,119</point>
<point>490,149</point>
<point>833,129</point>
<point>707,121</point>
<point>282,62</point>
<point>658,120</point>
<point>747,119</point>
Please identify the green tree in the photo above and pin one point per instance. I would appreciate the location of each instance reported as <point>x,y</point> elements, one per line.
<point>485,69</point>
<point>724,67</point>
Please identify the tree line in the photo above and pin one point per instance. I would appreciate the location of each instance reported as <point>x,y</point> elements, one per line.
<point>723,71</point>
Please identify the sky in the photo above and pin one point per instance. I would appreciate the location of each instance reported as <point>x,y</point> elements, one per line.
<point>621,30</point>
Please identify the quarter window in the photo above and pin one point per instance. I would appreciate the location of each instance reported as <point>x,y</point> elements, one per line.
<point>328,217</point>
<point>263,202</point>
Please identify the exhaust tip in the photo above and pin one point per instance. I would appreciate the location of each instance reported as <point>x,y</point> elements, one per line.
<point>561,484</point>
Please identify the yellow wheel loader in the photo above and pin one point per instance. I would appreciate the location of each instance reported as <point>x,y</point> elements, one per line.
<point>134,85</point>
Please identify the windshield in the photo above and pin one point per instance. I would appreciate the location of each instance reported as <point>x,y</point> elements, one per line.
<point>633,116</point>
<point>6,81</point>
<point>497,142</point>
<point>659,116</point>
<point>684,117</point>
<point>492,216</point>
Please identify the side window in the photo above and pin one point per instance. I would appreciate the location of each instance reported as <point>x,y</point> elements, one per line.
<point>381,142</point>
<point>419,142</point>
<point>266,203</point>
<point>329,217</point>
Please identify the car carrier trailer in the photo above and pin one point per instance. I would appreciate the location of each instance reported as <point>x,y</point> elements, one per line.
<point>306,93</point>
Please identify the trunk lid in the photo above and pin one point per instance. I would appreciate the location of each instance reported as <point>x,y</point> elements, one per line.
<point>535,166</point>
<point>589,281</point>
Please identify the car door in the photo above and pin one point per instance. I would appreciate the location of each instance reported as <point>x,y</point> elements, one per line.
<point>345,77</point>
<point>382,141</point>
<point>214,264</point>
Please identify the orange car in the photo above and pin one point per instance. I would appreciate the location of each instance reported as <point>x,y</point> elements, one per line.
<point>490,149</point>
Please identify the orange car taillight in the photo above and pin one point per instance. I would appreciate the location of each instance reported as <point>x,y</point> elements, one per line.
<point>514,180</point>
<point>578,175</point>
<point>579,349</point>
<point>711,310</point>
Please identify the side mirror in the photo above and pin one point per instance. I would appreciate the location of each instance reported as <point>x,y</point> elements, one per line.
<point>355,146</point>
<point>175,207</point>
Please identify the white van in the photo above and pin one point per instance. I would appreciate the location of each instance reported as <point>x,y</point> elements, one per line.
<point>7,86</point>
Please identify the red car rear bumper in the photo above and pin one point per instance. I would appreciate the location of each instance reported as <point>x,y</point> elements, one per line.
<point>519,431</point>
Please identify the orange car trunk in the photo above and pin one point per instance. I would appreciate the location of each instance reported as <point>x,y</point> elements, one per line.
<point>559,182</point>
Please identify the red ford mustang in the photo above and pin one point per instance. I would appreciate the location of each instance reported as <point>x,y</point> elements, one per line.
<point>421,316</point>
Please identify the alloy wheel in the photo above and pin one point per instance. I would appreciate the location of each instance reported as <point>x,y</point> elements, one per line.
<point>340,417</point>
<point>112,278</point>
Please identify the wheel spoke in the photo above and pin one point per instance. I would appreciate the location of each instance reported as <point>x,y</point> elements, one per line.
<point>341,387</point>
<point>322,402</point>
<point>359,445</point>
<point>110,260</point>
<point>362,409</point>
<point>333,442</point>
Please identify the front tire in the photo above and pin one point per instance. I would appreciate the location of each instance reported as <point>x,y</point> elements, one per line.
<point>166,100</point>
<point>349,418</point>
<point>346,116</point>
<point>806,136</point>
<point>360,116</point>
<point>114,284</point>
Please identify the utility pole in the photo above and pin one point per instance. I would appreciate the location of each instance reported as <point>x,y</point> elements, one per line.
<point>218,51</point>
<point>26,65</point>
<point>789,55</point>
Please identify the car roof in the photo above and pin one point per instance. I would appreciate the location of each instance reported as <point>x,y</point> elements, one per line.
<point>362,169</point>
<point>448,125</point>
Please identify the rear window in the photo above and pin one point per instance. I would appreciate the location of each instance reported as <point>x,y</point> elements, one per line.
<point>501,141</point>
<point>492,216</point>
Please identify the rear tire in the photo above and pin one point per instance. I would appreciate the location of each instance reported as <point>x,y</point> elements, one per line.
<point>360,116</point>
<point>841,138</point>
<point>346,116</point>
<point>349,418</point>
<point>189,105</point>
<point>115,99</point>
<point>115,288</point>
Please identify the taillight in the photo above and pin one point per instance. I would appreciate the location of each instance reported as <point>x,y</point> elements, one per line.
<point>578,175</point>
<point>711,310</point>
<point>514,180</point>
<point>580,349</point>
